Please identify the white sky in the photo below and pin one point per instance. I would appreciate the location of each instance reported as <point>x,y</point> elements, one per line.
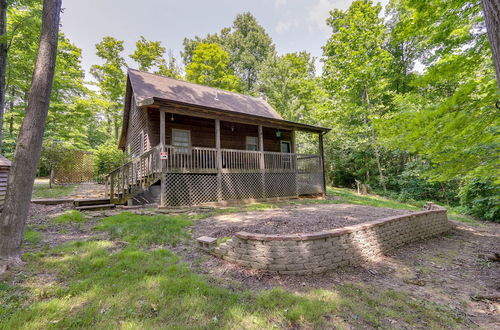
<point>294,25</point>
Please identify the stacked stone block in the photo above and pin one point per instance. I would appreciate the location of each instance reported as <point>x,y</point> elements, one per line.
<point>322,251</point>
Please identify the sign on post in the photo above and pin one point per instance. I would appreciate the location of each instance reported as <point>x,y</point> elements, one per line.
<point>163,155</point>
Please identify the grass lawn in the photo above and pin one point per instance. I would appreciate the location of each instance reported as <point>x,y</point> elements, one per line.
<point>42,190</point>
<point>133,280</point>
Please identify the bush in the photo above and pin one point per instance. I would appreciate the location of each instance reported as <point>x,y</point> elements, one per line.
<point>107,158</point>
<point>480,198</point>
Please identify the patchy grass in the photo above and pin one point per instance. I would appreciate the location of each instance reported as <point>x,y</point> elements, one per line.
<point>100,285</point>
<point>144,230</point>
<point>42,190</point>
<point>351,197</point>
<point>32,236</point>
<point>72,216</point>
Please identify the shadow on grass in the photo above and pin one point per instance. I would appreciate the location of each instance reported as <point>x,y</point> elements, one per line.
<point>99,284</point>
<point>135,284</point>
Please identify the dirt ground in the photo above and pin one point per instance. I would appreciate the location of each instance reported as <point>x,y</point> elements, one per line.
<point>450,269</point>
<point>293,219</point>
<point>88,190</point>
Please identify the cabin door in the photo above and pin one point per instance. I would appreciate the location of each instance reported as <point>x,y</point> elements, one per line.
<point>286,160</point>
<point>285,147</point>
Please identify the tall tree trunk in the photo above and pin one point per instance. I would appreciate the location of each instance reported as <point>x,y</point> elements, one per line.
<point>366,99</point>
<point>3,63</point>
<point>491,10</point>
<point>29,142</point>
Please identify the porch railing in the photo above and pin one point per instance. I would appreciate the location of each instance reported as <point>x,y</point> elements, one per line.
<point>140,173</point>
<point>205,159</point>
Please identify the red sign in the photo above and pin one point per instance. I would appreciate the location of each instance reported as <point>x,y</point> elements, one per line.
<point>163,155</point>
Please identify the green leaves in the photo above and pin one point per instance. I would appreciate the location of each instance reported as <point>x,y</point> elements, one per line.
<point>210,66</point>
<point>247,44</point>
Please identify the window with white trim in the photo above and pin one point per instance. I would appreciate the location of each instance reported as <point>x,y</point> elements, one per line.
<point>181,140</point>
<point>252,143</point>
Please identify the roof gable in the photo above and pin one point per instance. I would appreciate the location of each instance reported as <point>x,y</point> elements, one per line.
<point>147,85</point>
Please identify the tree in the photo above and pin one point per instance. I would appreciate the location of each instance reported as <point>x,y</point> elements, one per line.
<point>290,85</point>
<point>111,80</point>
<point>491,9</point>
<point>355,69</point>
<point>3,62</point>
<point>29,144</point>
<point>151,55</point>
<point>448,117</point>
<point>249,46</point>
<point>210,66</point>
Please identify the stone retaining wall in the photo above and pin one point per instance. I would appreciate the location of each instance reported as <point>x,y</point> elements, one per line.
<point>321,251</point>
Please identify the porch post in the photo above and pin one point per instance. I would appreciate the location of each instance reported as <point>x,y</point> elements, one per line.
<point>294,162</point>
<point>162,148</point>
<point>322,157</point>
<point>262,162</point>
<point>219,159</point>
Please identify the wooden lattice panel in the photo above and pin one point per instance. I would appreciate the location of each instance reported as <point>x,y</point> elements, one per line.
<point>77,167</point>
<point>190,189</point>
<point>309,183</point>
<point>280,185</point>
<point>241,186</point>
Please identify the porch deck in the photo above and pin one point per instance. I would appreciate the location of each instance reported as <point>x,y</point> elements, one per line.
<point>198,175</point>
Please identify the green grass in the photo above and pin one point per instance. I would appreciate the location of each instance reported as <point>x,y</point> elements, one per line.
<point>72,216</point>
<point>350,196</point>
<point>108,284</point>
<point>42,190</point>
<point>32,236</point>
<point>98,284</point>
<point>144,230</point>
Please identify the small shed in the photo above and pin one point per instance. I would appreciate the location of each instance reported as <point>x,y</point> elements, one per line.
<point>4,178</point>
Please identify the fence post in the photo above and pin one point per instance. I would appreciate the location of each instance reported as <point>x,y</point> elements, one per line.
<point>106,186</point>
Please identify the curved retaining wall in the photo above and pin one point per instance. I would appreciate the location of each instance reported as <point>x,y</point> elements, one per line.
<point>321,251</point>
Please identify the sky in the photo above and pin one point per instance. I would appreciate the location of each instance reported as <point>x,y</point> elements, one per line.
<point>294,25</point>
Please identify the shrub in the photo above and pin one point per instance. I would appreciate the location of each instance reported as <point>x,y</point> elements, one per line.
<point>107,158</point>
<point>480,197</point>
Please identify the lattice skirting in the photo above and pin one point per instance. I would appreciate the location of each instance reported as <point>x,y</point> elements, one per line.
<point>280,185</point>
<point>309,183</point>
<point>241,186</point>
<point>190,189</point>
<point>199,188</point>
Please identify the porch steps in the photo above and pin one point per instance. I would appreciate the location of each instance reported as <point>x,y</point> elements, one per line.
<point>91,201</point>
<point>95,207</point>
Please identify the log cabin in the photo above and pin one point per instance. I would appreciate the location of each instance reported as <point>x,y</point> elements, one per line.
<point>191,144</point>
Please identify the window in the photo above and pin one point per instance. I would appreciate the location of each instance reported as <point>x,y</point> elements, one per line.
<point>181,140</point>
<point>252,143</point>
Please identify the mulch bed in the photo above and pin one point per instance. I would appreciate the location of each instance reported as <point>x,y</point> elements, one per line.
<point>293,219</point>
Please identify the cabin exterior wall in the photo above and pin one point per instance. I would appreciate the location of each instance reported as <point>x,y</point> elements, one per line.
<point>233,135</point>
<point>138,140</point>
